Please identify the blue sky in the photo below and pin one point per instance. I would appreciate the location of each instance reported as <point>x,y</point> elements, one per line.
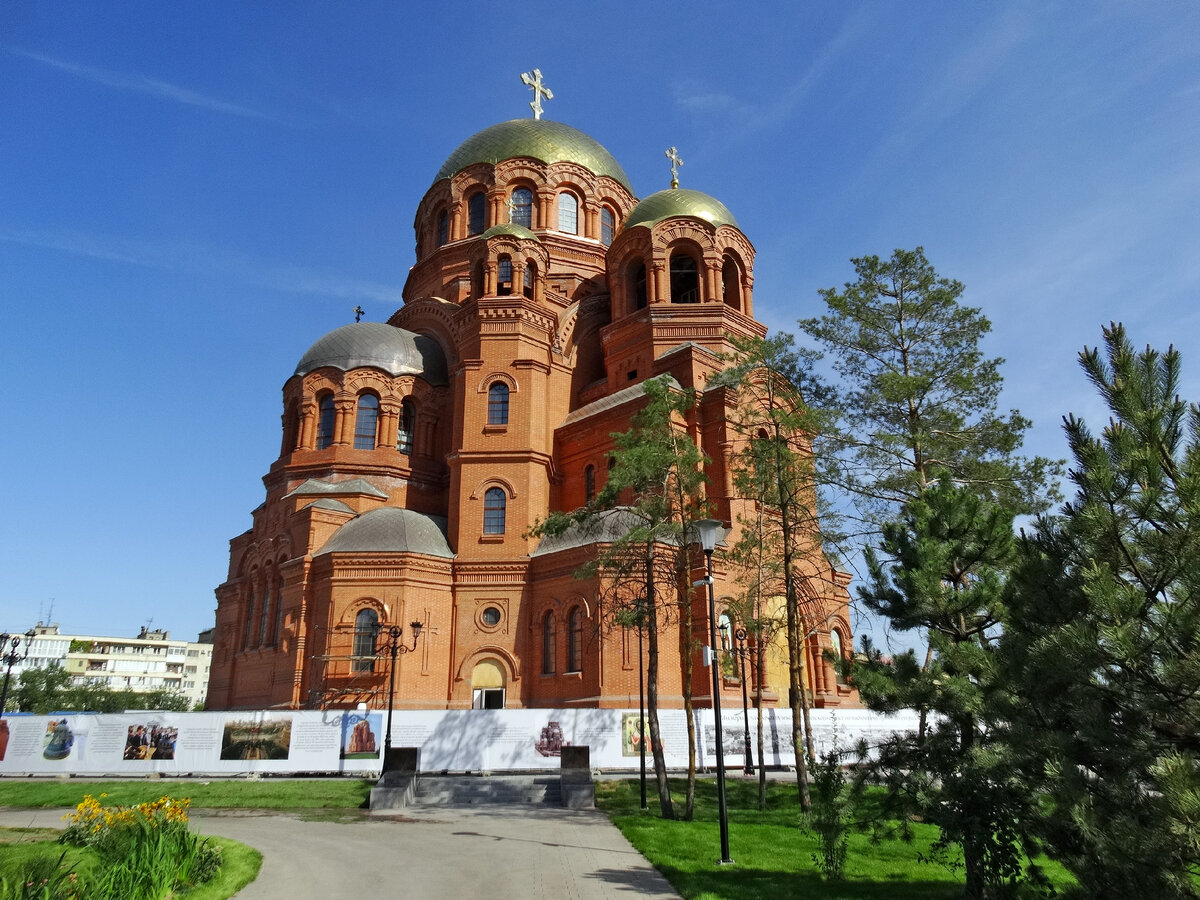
<point>191,194</point>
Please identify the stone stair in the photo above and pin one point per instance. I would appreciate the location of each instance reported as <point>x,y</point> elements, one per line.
<point>475,790</point>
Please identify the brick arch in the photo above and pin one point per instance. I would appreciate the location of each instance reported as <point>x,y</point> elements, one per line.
<point>351,610</point>
<point>489,651</point>
<point>487,381</point>
<point>493,481</point>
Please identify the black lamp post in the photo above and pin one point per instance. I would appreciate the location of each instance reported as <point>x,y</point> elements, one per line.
<point>707,529</point>
<point>741,651</point>
<point>10,655</point>
<point>394,648</point>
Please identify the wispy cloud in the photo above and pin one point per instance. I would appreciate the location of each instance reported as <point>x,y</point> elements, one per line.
<point>141,84</point>
<point>198,259</point>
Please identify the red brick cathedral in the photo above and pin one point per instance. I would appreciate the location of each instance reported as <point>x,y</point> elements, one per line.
<point>418,453</point>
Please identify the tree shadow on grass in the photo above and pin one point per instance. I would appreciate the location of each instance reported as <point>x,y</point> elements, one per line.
<point>760,884</point>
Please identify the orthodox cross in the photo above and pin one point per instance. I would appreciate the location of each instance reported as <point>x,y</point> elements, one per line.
<point>534,81</point>
<point>676,162</point>
<point>358,313</point>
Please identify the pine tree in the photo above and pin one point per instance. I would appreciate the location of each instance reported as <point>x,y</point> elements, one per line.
<point>952,551</point>
<point>1103,650</point>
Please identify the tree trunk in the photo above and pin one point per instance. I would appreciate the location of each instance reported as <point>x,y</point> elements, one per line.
<point>666,807</point>
<point>685,657</point>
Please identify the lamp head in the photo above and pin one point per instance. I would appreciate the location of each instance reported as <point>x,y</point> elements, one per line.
<point>416,627</point>
<point>707,531</point>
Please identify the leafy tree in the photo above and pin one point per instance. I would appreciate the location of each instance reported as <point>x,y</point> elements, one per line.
<point>39,688</point>
<point>952,551</point>
<point>917,396</point>
<point>774,470</point>
<point>654,495</point>
<point>1103,649</point>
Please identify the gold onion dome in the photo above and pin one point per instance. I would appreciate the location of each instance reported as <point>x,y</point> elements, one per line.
<point>680,202</point>
<point>548,141</point>
<point>517,231</point>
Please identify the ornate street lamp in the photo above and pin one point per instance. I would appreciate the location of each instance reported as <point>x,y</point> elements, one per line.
<point>394,648</point>
<point>740,649</point>
<point>707,531</point>
<point>10,655</point>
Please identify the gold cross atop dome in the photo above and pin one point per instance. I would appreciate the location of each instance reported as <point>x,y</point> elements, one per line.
<point>676,162</point>
<point>534,80</point>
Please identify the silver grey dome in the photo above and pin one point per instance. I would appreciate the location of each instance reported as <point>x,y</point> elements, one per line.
<point>377,345</point>
<point>390,529</point>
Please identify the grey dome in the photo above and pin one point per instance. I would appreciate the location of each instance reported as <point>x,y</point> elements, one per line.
<point>380,346</point>
<point>390,529</point>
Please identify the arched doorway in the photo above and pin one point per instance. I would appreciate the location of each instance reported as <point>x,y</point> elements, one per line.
<point>487,685</point>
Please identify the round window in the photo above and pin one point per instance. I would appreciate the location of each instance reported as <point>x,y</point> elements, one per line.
<point>491,616</point>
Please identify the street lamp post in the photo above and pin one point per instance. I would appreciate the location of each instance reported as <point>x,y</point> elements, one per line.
<point>10,655</point>
<point>742,650</point>
<point>394,648</point>
<point>708,530</point>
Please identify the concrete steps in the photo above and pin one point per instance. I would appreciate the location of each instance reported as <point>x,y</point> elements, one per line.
<point>474,790</point>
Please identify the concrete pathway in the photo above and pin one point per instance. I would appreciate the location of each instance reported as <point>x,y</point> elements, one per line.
<point>527,852</point>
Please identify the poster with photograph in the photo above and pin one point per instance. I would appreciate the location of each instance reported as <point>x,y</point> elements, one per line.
<point>634,729</point>
<point>263,736</point>
<point>58,740</point>
<point>360,735</point>
<point>150,740</point>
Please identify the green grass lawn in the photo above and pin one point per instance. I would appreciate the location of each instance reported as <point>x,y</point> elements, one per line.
<point>773,854</point>
<point>317,793</point>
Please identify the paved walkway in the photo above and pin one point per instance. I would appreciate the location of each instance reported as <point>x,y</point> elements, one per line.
<point>528,852</point>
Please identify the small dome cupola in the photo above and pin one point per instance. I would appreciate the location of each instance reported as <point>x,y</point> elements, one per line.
<point>676,202</point>
<point>377,345</point>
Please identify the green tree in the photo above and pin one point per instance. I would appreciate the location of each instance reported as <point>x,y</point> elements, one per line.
<point>40,689</point>
<point>917,396</point>
<point>642,521</point>
<point>952,551</point>
<point>780,536</point>
<point>1103,647</point>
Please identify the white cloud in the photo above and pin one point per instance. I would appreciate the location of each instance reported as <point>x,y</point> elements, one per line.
<point>140,84</point>
<point>198,259</point>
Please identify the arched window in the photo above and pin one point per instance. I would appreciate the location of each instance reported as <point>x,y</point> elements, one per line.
<point>589,483</point>
<point>685,279</point>
<point>504,276</point>
<point>277,628</point>
<point>326,416</point>
<point>404,434</point>
<point>568,213</point>
<point>575,640</point>
<point>476,213</point>
<point>263,618</point>
<point>725,630</point>
<point>477,280</point>
<point>530,276</point>
<point>835,644</point>
<point>522,207</point>
<point>365,422</point>
<point>291,430</point>
<point>637,284</point>
<point>366,630</point>
<point>494,509</point>
<point>731,283</point>
<point>443,227</point>
<point>548,644</point>
<point>249,619</point>
<point>498,403</point>
<point>608,225</point>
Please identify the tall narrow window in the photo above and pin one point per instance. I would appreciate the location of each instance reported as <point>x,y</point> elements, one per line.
<point>575,640</point>
<point>589,483</point>
<point>366,630</point>
<point>443,227</point>
<point>835,644</point>
<point>263,618</point>
<point>504,276</point>
<point>366,422</point>
<point>608,224</point>
<point>249,619</point>
<point>637,284</point>
<point>476,213</point>
<point>731,283</point>
<point>522,207</point>
<point>404,434</point>
<point>498,403</point>
<point>568,213</point>
<point>685,279</point>
<point>530,275</point>
<point>326,416</point>
<point>277,630</point>
<point>548,644</point>
<point>494,509</point>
